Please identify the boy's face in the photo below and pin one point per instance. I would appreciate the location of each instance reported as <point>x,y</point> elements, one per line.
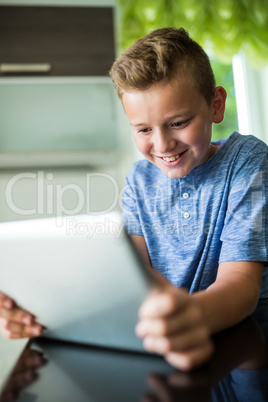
<point>172,126</point>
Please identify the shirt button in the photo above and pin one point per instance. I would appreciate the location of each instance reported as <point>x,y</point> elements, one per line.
<point>186,215</point>
<point>185,195</point>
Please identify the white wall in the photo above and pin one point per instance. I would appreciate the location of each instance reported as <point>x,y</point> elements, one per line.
<point>10,352</point>
<point>251,87</point>
<point>264,100</point>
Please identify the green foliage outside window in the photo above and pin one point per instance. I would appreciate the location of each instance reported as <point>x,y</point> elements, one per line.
<point>230,25</point>
<point>224,77</point>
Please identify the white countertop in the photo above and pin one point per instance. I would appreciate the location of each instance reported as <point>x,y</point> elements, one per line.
<point>10,351</point>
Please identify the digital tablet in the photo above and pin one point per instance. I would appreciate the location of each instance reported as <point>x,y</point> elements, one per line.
<point>79,275</point>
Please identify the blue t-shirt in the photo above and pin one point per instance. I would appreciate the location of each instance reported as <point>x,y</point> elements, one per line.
<point>218,212</point>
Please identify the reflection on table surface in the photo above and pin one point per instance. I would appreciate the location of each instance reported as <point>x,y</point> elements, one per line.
<point>54,371</point>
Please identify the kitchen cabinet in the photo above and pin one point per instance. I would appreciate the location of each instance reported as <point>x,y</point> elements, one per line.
<point>57,103</point>
<point>56,41</point>
<point>57,121</point>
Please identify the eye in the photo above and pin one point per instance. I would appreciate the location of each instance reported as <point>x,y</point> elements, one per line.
<point>178,124</point>
<point>144,130</point>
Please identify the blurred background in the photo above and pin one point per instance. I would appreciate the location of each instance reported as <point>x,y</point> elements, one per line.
<point>65,143</point>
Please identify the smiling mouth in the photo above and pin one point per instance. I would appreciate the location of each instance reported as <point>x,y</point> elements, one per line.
<point>174,157</point>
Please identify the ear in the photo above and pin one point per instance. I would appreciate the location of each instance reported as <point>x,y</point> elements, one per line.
<point>218,104</point>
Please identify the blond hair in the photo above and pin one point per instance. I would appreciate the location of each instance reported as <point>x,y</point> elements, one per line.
<point>164,54</point>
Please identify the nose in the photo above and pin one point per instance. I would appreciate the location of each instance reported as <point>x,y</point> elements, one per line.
<point>163,142</point>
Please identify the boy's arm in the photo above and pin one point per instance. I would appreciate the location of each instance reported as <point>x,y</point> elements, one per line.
<point>179,326</point>
<point>233,296</point>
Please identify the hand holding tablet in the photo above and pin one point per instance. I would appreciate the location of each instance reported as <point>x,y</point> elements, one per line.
<point>80,277</point>
<point>15,322</point>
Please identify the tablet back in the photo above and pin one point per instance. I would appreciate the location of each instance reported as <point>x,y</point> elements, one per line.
<point>79,275</point>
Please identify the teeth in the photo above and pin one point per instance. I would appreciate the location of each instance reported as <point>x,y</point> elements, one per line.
<point>172,158</point>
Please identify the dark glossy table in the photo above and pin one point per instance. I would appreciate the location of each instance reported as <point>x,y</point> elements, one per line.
<point>58,372</point>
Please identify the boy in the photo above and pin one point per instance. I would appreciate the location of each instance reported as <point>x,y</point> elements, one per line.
<point>197,213</point>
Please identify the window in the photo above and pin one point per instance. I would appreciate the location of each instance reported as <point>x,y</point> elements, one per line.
<point>224,77</point>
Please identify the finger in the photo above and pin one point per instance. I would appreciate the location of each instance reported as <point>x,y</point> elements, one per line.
<point>12,330</point>
<point>31,331</point>
<point>155,327</point>
<point>161,304</point>
<point>8,334</point>
<point>188,318</point>
<point>189,339</point>
<point>190,359</point>
<point>156,344</point>
<point>3,330</point>
<point>12,336</point>
<point>5,301</point>
<point>17,315</point>
<point>15,330</point>
<point>184,341</point>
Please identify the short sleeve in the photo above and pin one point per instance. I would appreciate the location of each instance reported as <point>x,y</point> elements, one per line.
<point>244,236</point>
<point>130,207</point>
